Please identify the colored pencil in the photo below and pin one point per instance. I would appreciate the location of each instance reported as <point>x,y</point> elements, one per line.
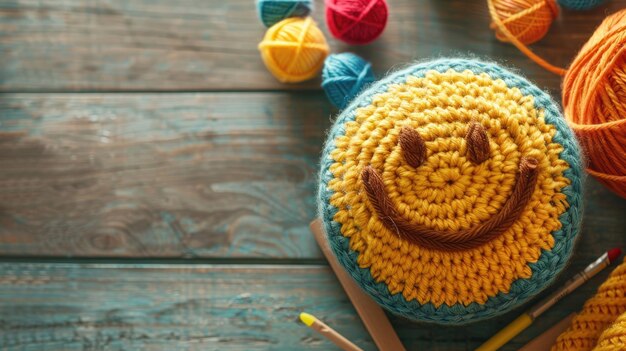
<point>331,334</point>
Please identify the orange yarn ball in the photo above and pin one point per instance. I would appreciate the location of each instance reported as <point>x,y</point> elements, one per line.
<point>527,20</point>
<point>594,99</point>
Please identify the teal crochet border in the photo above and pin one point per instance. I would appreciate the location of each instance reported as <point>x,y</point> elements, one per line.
<point>544,271</point>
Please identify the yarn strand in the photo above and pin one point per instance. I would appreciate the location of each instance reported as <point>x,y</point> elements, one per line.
<point>594,88</point>
<point>523,48</point>
<point>452,241</point>
<point>300,43</point>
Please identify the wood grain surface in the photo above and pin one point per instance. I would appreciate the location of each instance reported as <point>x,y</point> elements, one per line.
<point>178,175</point>
<point>161,175</point>
<point>144,134</point>
<point>46,306</point>
<point>169,45</point>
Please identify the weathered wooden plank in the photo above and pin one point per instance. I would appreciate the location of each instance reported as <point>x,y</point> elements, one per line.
<point>212,45</point>
<point>162,175</point>
<point>179,175</point>
<point>205,307</point>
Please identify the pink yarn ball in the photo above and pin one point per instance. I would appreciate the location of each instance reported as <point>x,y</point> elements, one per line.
<point>356,21</point>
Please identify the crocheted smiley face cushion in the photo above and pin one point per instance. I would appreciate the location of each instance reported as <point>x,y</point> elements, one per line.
<point>451,191</point>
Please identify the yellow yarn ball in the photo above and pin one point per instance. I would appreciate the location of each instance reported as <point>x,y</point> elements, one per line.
<point>294,49</point>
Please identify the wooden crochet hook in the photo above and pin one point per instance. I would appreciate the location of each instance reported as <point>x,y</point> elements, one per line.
<point>545,341</point>
<point>371,314</point>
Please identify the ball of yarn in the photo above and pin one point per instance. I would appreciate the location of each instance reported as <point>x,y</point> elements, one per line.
<point>273,11</point>
<point>594,100</point>
<point>294,49</point>
<point>344,76</point>
<point>598,313</point>
<point>580,5</point>
<point>526,20</point>
<point>356,21</point>
<point>451,191</point>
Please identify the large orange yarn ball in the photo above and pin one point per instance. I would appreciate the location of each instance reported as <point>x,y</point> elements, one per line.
<point>594,99</point>
<point>527,20</point>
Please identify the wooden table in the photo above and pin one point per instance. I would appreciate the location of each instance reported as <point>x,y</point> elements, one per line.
<point>156,182</point>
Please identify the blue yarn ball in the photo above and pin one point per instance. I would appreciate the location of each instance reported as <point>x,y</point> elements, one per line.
<point>344,76</point>
<point>580,5</point>
<point>273,11</point>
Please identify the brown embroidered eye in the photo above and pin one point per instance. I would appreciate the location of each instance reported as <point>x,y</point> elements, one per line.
<point>477,143</point>
<point>413,146</point>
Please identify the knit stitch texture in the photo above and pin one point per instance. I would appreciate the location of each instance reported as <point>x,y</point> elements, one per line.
<point>613,338</point>
<point>597,326</point>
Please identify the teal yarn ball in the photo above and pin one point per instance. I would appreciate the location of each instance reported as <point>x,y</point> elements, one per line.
<point>273,11</point>
<point>344,76</point>
<point>416,132</point>
<point>580,5</point>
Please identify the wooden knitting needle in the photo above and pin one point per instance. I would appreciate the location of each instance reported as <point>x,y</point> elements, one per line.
<point>328,332</point>
<point>371,314</point>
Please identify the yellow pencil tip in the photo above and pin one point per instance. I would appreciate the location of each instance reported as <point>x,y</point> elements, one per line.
<point>307,319</point>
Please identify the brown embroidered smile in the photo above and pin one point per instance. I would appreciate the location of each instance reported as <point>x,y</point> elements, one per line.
<point>414,152</point>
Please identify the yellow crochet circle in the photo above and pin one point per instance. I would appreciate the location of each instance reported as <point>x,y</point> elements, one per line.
<point>448,191</point>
